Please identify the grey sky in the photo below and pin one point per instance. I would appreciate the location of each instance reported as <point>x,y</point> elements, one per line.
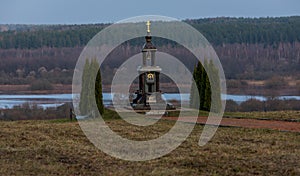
<point>97,11</point>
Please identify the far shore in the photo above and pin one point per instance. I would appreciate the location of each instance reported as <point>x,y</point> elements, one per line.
<point>67,89</point>
<point>25,89</point>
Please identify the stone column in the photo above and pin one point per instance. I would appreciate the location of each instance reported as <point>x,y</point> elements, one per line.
<point>144,58</point>
<point>152,58</point>
<point>157,81</point>
<point>141,82</point>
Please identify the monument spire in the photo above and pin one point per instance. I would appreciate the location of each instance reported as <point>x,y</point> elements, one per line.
<point>149,93</point>
<point>148,45</point>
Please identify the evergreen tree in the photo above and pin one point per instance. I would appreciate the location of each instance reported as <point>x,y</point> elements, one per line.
<point>204,86</point>
<point>98,90</point>
<point>91,92</point>
<point>83,104</point>
<point>216,87</point>
<point>199,85</point>
<point>194,100</point>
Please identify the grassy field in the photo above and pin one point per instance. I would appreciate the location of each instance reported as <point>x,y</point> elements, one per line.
<point>59,147</point>
<point>271,115</point>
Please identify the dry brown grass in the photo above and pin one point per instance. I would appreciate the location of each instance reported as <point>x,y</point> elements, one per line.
<point>25,89</point>
<point>270,115</point>
<point>61,148</point>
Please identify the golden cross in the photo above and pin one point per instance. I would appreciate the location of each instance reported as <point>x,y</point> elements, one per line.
<point>148,26</point>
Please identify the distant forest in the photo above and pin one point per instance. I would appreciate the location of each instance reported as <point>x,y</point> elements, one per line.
<point>218,31</point>
<point>248,48</point>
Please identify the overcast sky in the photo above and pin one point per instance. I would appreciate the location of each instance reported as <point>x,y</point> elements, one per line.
<point>98,11</point>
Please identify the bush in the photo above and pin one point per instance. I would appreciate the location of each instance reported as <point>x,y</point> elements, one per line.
<point>275,105</point>
<point>298,87</point>
<point>269,105</point>
<point>291,104</point>
<point>231,106</point>
<point>275,82</point>
<point>28,111</point>
<point>41,84</point>
<point>252,105</point>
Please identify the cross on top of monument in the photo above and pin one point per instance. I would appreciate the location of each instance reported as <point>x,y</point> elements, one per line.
<point>148,24</point>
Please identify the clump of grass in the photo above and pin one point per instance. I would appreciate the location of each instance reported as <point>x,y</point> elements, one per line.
<point>65,120</point>
<point>186,113</point>
<point>110,114</point>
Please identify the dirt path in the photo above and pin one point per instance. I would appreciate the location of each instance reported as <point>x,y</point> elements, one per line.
<point>250,123</point>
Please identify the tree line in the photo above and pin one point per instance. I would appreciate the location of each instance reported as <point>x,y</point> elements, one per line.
<point>254,105</point>
<point>269,31</point>
<point>218,31</point>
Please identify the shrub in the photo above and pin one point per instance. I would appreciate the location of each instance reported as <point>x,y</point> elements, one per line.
<point>231,106</point>
<point>275,82</point>
<point>252,105</point>
<point>28,111</point>
<point>257,105</point>
<point>41,84</point>
<point>275,105</point>
<point>291,104</point>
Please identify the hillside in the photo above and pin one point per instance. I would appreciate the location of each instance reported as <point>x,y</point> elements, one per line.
<point>260,49</point>
<point>268,31</point>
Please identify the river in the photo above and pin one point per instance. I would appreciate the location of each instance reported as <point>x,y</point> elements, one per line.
<point>55,100</point>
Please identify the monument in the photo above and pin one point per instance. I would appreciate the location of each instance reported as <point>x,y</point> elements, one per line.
<point>149,95</point>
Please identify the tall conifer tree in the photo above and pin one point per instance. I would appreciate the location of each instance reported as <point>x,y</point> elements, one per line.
<point>204,86</point>
<point>91,90</point>
<point>98,89</point>
<point>83,104</point>
<point>216,87</point>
